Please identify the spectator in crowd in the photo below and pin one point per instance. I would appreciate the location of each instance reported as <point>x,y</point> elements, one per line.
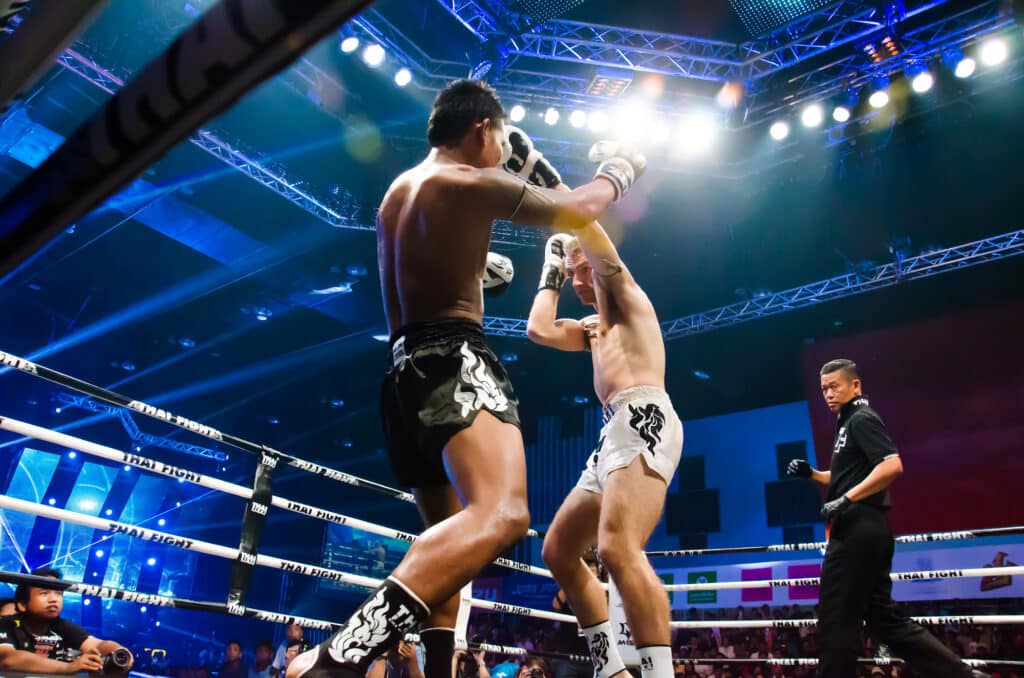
<point>264,659</point>
<point>466,664</point>
<point>37,640</point>
<point>294,649</point>
<point>233,667</point>
<point>399,662</point>
<point>8,607</point>
<point>534,667</point>
<point>293,632</point>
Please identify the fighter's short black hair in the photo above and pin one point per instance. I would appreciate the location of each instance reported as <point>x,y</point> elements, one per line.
<point>459,106</point>
<point>7,601</point>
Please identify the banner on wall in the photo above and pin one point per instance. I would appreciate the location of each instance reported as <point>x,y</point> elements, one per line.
<point>934,559</point>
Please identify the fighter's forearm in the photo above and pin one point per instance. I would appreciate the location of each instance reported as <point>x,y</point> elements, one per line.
<point>543,313</point>
<point>821,477</point>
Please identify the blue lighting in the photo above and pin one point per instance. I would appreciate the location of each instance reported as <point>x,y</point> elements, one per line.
<point>108,512</point>
<point>337,403</point>
<point>51,501</point>
<point>41,547</point>
<point>57,410</point>
<point>143,609</point>
<point>126,466</point>
<point>86,602</point>
<point>151,561</point>
<point>99,553</point>
<point>702,375</point>
<point>581,400</point>
<point>161,522</point>
<point>72,455</point>
<point>87,504</point>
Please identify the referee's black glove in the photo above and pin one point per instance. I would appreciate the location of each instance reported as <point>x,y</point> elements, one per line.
<point>799,468</point>
<point>833,508</point>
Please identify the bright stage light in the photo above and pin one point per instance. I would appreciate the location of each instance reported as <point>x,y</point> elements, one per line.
<point>696,134</point>
<point>841,114</point>
<point>994,52</point>
<point>598,121</point>
<point>403,77</point>
<point>878,99</point>
<point>779,130</point>
<point>660,132</point>
<point>373,55</point>
<point>515,115</point>
<point>578,118</point>
<point>965,68</point>
<point>812,115</point>
<point>631,122</point>
<point>551,116</point>
<point>922,82</point>
<point>349,45</point>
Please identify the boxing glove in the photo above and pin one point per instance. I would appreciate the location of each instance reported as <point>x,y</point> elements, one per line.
<point>553,273</point>
<point>799,468</point>
<point>527,162</point>
<point>498,273</point>
<point>620,163</point>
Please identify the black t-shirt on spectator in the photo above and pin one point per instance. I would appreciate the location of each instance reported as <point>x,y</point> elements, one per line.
<point>861,443</point>
<point>60,637</point>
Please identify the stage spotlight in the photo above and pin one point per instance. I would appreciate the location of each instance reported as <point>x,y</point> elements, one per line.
<point>515,115</point>
<point>631,122</point>
<point>779,130</point>
<point>660,132</point>
<point>696,134</point>
<point>598,121</point>
<point>51,501</point>
<point>922,82</point>
<point>151,561</point>
<point>965,68</point>
<point>373,55</point>
<point>879,99</point>
<point>578,118</point>
<point>403,76</point>
<point>99,553</point>
<point>993,52</point>
<point>812,115</point>
<point>551,116</point>
<point>841,114</point>
<point>161,522</point>
<point>349,44</point>
<point>72,455</point>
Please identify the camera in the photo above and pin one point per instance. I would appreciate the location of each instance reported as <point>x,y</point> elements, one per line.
<point>118,661</point>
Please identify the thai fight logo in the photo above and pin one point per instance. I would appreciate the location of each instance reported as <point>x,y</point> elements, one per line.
<point>840,441</point>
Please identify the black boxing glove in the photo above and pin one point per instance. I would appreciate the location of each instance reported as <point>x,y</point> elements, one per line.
<point>528,162</point>
<point>799,468</point>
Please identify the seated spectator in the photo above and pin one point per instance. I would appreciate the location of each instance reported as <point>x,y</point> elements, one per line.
<point>264,660</point>
<point>293,632</point>
<point>233,667</point>
<point>8,607</point>
<point>534,667</point>
<point>294,649</point>
<point>37,640</point>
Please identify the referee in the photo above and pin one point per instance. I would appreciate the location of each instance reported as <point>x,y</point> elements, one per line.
<point>855,584</point>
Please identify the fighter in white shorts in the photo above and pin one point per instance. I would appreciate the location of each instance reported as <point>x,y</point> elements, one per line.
<point>619,498</point>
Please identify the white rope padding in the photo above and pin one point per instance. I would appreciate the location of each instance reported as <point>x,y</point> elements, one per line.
<point>815,581</point>
<point>62,439</point>
<point>796,623</point>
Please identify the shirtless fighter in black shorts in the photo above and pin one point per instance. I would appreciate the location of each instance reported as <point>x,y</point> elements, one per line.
<point>447,406</point>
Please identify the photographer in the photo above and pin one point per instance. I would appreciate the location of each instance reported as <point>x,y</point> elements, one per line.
<point>399,662</point>
<point>37,640</point>
<point>470,663</point>
<point>534,667</point>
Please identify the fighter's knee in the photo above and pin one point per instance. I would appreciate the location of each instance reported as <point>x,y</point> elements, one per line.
<point>510,521</point>
<point>618,555</point>
<point>554,554</point>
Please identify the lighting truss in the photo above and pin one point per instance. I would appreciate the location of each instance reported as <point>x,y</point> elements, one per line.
<point>649,51</point>
<point>138,437</point>
<point>220,149</point>
<point>848,72</point>
<point>847,285</point>
<point>887,275</point>
<point>837,24</point>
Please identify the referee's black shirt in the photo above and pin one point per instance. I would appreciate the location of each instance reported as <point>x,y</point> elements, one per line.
<point>861,443</point>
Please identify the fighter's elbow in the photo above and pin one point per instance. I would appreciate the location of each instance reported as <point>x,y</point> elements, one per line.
<point>536,333</point>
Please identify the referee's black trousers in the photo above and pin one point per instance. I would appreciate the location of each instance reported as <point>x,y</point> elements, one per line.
<point>856,590</point>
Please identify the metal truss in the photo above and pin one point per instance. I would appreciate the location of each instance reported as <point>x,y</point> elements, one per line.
<point>616,47</point>
<point>887,275</point>
<point>848,72</point>
<point>222,150</point>
<point>505,327</point>
<point>138,437</point>
<point>837,24</point>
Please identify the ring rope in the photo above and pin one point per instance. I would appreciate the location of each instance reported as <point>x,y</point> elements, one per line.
<point>804,661</point>
<point>815,581</point>
<point>369,582</point>
<point>796,623</point>
<point>818,545</point>
<point>145,464</point>
<point>280,618</point>
<point>155,536</point>
<point>167,417</point>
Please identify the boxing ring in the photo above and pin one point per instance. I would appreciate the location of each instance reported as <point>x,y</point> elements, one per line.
<point>181,89</point>
<point>260,499</point>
